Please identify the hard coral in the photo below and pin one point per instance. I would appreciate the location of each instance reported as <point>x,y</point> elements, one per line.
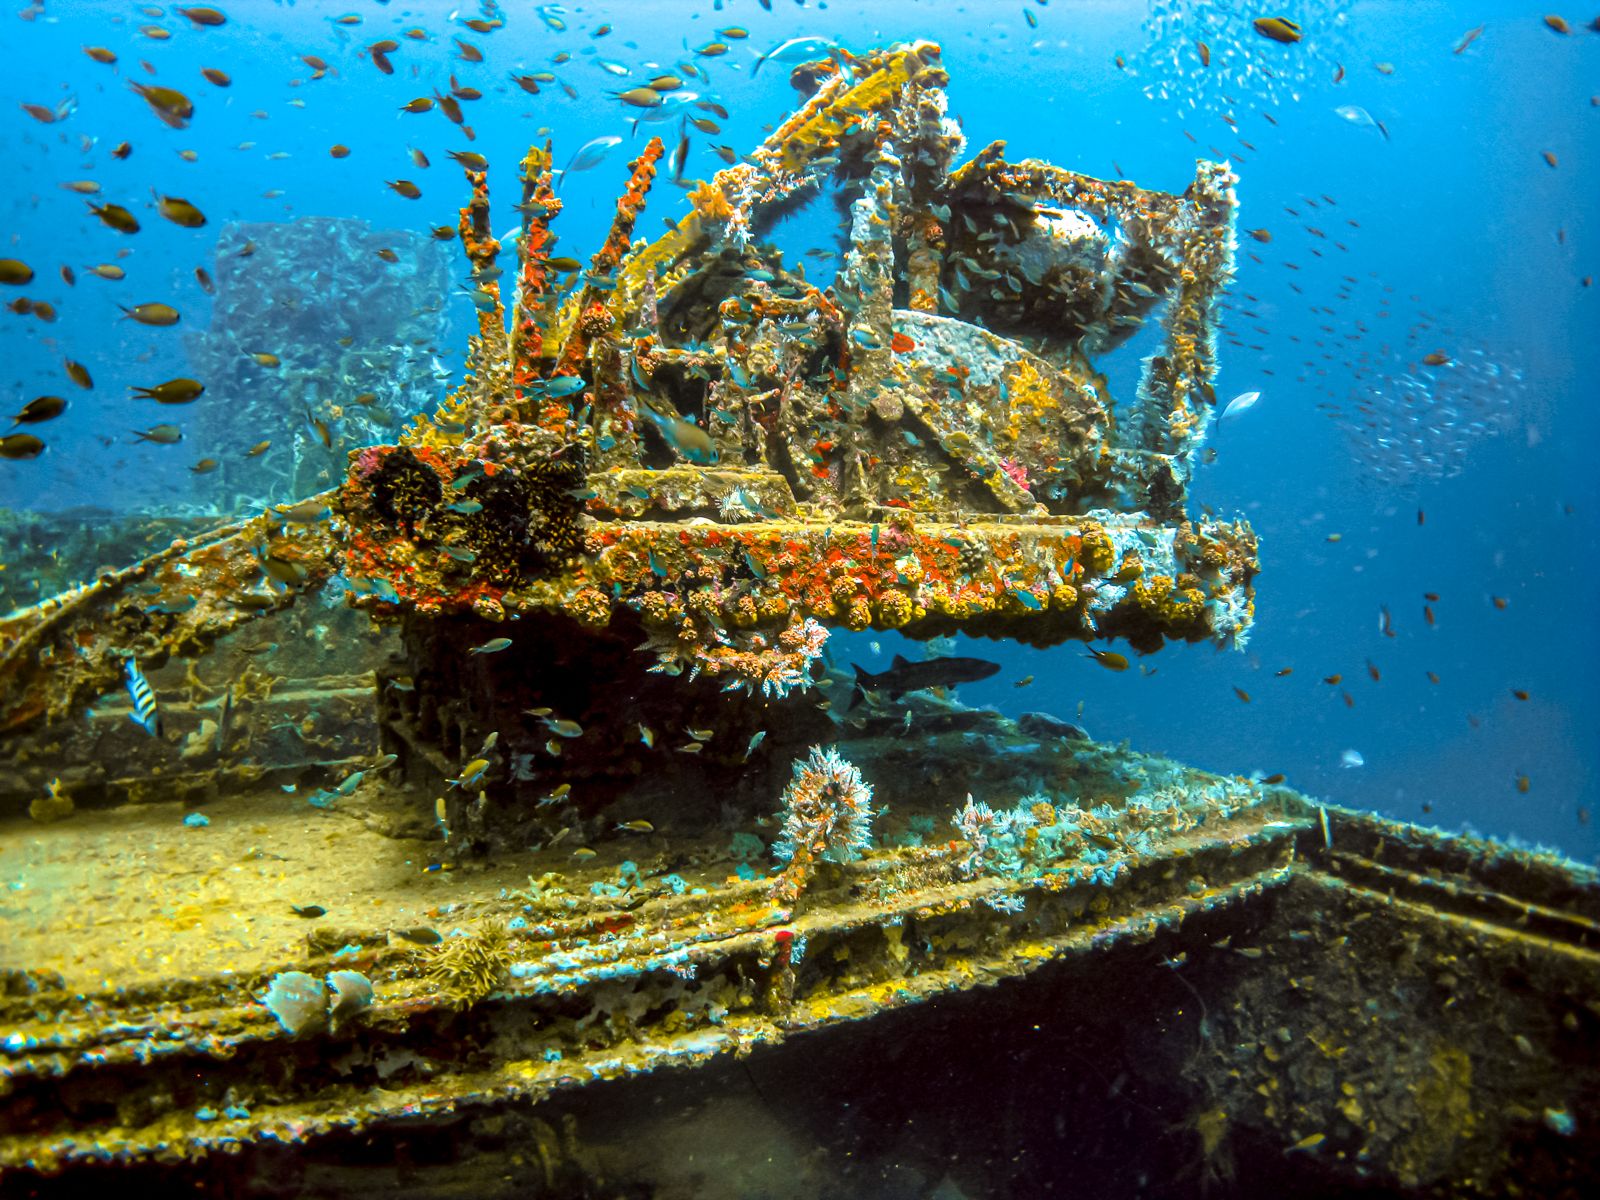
<point>466,969</point>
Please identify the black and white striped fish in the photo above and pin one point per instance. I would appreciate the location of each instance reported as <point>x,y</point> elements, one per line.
<point>144,712</point>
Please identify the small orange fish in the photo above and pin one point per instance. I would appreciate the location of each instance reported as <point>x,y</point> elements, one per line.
<point>1285,671</point>
<point>1472,35</point>
<point>1338,76</point>
<point>1242,694</point>
<point>1549,157</point>
<point>1437,359</point>
<point>1499,601</point>
<point>1522,784</point>
<point>1427,613</point>
<point>406,188</point>
<point>1559,24</point>
<point>1272,780</point>
<point>340,150</point>
<point>1373,671</point>
<point>900,343</point>
<point>1519,693</point>
<point>1332,680</point>
<point>1205,53</point>
<point>1433,677</point>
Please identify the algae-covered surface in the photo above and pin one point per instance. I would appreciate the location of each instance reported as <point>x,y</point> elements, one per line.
<point>132,896</point>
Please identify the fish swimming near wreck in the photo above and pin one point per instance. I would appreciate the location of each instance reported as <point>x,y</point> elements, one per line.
<point>903,676</point>
<point>144,714</point>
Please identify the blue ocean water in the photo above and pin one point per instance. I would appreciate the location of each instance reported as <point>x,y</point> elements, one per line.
<point>1372,479</point>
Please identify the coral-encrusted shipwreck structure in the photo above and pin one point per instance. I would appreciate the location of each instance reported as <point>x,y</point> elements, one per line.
<point>692,447</point>
<point>701,436</point>
<point>614,556</point>
<point>696,448</point>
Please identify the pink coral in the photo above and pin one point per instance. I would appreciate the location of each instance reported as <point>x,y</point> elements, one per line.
<point>1016,472</point>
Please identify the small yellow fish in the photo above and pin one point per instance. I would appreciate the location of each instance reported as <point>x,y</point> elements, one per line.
<point>640,97</point>
<point>471,773</point>
<point>115,217</point>
<point>179,211</point>
<point>173,391</point>
<point>20,446</point>
<point>153,313</point>
<point>169,104</point>
<point>647,736</point>
<point>258,449</point>
<point>41,408</point>
<point>266,360</point>
<point>1278,29</point>
<point>1109,659</point>
<point>636,827</point>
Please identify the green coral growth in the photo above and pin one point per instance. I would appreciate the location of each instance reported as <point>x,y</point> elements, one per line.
<point>466,969</point>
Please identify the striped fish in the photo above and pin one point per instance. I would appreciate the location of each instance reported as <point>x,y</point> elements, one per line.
<point>144,712</point>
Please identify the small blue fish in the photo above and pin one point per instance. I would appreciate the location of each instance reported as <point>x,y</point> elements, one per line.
<point>460,554</point>
<point>689,440</point>
<point>171,606</point>
<point>464,477</point>
<point>492,646</point>
<point>592,153</point>
<point>465,507</point>
<point>350,783</point>
<point>1026,598</point>
<point>565,385</point>
<point>144,712</point>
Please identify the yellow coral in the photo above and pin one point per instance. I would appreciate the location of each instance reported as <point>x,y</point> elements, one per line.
<point>591,607</point>
<point>1099,552</point>
<point>895,609</point>
<point>710,201</point>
